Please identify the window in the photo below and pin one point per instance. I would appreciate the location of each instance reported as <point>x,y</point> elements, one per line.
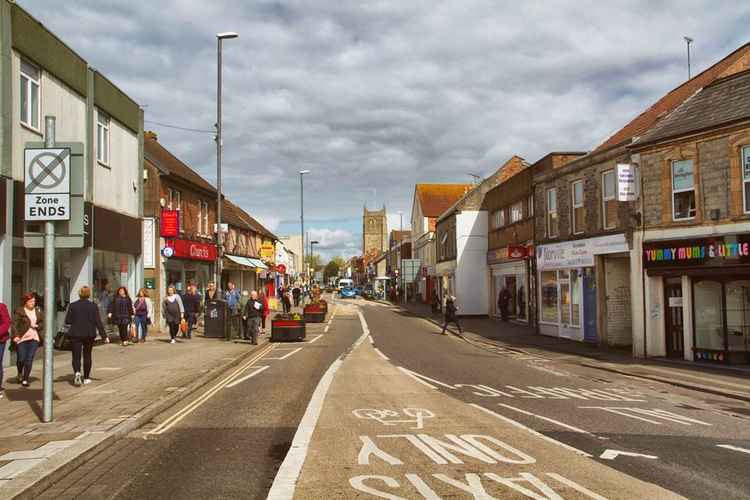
<point>30,87</point>
<point>746,178</point>
<point>203,222</point>
<point>500,218</point>
<point>549,296</point>
<point>709,321</point>
<point>516,212</point>
<point>552,221</point>
<point>531,205</point>
<point>683,190</point>
<point>175,203</point>
<point>102,137</point>
<point>578,211</point>
<point>561,297</point>
<point>609,200</point>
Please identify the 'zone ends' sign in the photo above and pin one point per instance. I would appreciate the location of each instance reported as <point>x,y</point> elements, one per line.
<point>47,184</point>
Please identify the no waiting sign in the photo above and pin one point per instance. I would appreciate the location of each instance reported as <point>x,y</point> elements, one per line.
<point>47,181</point>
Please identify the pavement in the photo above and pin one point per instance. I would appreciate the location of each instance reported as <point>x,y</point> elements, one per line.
<point>516,339</point>
<point>130,385</point>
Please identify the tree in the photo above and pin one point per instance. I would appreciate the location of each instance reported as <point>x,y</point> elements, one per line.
<point>313,262</point>
<point>333,267</point>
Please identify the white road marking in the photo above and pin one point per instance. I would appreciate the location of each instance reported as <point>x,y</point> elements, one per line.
<point>286,478</point>
<point>418,376</point>
<point>293,351</point>
<point>177,417</point>
<point>735,448</point>
<point>530,430</point>
<point>612,454</point>
<point>411,374</point>
<point>316,338</point>
<point>325,330</point>
<point>381,354</point>
<point>552,420</point>
<point>575,486</point>
<point>110,368</point>
<point>369,337</point>
<point>248,376</point>
<point>655,413</point>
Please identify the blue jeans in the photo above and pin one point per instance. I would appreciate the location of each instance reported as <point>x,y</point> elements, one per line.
<point>141,326</point>
<point>25,353</point>
<point>2,353</point>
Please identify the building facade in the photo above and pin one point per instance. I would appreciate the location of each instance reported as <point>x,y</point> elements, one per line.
<point>374,233</point>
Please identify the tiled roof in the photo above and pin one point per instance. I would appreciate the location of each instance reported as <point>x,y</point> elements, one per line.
<point>236,216</point>
<point>725,101</point>
<point>161,158</point>
<point>737,61</point>
<point>434,199</point>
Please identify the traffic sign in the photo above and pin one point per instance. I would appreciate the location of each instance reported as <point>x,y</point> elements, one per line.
<point>47,184</point>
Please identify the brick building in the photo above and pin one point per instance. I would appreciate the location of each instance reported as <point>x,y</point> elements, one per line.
<point>696,241</point>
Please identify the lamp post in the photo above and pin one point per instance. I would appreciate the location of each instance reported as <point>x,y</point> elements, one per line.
<point>302,215</point>
<point>220,37</point>
<point>688,41</point>
<point>312,270</point>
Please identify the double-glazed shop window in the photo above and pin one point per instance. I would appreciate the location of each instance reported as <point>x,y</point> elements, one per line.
<point>561,297</point>
<point>516,212</point>
<point>683,190</point>
<point>552,220</point>
<point>577,194</point>
<point>102,137</point>
<point>499,218</point>
<point>30,90</point>
<point>203,219</point>
<point>722,316</point>
<point>609,200</point>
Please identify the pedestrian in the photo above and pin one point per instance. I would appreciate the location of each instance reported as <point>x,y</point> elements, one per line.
<point>144,314</point>
<point>4,336</point>
<point>450,314</point>
<point>503,301</point>
<point>233,298</point>
<point>84,321</point>
<point>252,314</point>
<point>121,313</point>
<point>28,334</point>
<point>105,299</point>
<point>296,292</point>
<point>173,311</point>
<point>243,302</point>
<point>286,301</point>
<point>266,311</point>
<point>192,304</point>
<point>211,292</point>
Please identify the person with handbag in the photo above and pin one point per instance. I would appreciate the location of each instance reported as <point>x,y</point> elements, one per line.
<point>252,314</point>
<point>144,314</point>
<point>173,311</point>
<point>84,322</point>
<point>4,336</point>
<point>191,301</point>
<point>121,313</point>
<point>28,335</point>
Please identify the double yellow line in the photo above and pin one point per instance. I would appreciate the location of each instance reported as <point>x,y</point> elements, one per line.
<point>187,410</point>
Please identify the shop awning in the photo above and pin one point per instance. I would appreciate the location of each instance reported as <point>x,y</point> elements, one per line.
<point>258,263</point>
<point>243,261</point>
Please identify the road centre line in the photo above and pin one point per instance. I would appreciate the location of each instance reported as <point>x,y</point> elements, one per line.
<point>286,478</point>
<point>552,420</point>
<point>316,338</point>
<point>174,419</point>
<point>381,353</point>
<point>293,351</point>
<point>247,377</point>
<point>734,448</point>
<point>530,430</point>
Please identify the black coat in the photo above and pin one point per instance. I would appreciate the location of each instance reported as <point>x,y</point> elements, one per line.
<point>251,311</point>
<point>121,309</point>
<point>84,320</point>
<point>192,303</point>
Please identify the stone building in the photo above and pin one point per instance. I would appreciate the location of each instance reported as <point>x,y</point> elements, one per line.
<point>374,233</point>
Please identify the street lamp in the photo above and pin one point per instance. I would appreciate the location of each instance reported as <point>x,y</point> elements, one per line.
<point>302,215</point>
<point>312,269</point>
<point>220,37</point>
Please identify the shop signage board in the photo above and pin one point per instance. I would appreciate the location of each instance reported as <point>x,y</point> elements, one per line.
<point>194,250</point>
<point>281,268</point>
<point>717,251</point>
<point>266,251</point>
<point>578,253</point>
<point>626,188</point>
<point>170,223</point>
<point>47,184</point>
<point>149,283</point>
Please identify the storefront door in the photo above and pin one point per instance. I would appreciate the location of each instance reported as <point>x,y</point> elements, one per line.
<point>510,284</point>
<point>674,331</point>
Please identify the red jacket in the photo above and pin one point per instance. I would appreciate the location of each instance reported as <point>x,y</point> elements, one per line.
<point>4,323</point>
<point>266,312</point>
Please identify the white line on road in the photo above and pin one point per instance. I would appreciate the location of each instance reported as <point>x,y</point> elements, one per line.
<point>575,486</point>
<point>735,448</point>
<point>381,354</point>
<point>369,337</point>
<point>418,377</point>
<point>316,338</point>
<point>247,377</point>
<point>325,330</point>
<point>530,430</point>
<point>286,478</point>
<point>294,351</point>
<point>552,420</point>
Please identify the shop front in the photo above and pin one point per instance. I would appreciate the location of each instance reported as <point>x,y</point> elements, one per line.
<point>510,269</point>
<point>242,271</point>
<point>704,284</point>
<point>567,283</point>
<point>189,262</point>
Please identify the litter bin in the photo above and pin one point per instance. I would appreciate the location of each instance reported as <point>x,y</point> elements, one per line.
<point>215,319</point>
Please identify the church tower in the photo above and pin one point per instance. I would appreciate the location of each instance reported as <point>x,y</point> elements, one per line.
<point>374,233</point>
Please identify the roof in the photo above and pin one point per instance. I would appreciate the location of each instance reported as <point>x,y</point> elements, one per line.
<point>237,217</point>
<point>434,199</point>
<point>725,101</point>
<point>737,61</point>
<point>165,161</point>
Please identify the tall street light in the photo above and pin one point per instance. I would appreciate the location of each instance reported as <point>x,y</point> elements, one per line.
<point>312,269</point>
<point>220,37</point>
<point>302,216</point>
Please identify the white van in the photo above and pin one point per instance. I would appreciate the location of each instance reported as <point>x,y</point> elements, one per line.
<point>345,283</point>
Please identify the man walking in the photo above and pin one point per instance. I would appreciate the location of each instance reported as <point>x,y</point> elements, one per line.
<point>192,304</point>
<point>296,292</point>
<point>252,314</point>
<point>233,298</point>
<point>450,314</point>
<point>503,301</point>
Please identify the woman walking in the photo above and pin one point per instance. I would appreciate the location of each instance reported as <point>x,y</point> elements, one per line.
<point>173,311</point>
<point>450,314</point>
<point>4,336</point>
<point>264,301</point>
<point>121,313</point>
<point>28,334</point>
<point>84,320</point>
<point>144,314</point>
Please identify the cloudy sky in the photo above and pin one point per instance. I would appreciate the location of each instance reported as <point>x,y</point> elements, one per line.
<point>375,96</point>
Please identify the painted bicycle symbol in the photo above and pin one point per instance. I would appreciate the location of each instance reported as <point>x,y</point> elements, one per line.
<point>393,417</point>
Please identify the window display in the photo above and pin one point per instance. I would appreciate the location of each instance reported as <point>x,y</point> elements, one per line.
<point>709,325</point>
<point>549,296</point>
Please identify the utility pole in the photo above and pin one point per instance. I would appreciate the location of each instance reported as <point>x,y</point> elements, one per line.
<point>302,217</point>
<point>50,308</point>
<point>401,216</point>
<point>688,41</point>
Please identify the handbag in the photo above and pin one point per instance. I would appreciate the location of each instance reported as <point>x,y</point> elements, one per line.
<point>133,331</point>
<point>183,326</point>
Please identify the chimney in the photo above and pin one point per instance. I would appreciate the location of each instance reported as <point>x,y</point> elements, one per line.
<point>150,134</point>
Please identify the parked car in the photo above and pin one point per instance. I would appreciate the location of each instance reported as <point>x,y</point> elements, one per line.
<point>348,293</point>
<point>358,290</point>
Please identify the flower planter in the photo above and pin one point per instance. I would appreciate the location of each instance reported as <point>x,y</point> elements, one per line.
<point>315,312</point>
<point>287,330</point>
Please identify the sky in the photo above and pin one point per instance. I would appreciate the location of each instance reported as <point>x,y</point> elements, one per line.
<point>373,97</point>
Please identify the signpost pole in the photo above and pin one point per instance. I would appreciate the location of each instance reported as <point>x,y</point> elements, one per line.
<point>50,309</point>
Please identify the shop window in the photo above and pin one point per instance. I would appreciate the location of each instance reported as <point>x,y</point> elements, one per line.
<point>549,296</point>
<point>102,137</point>
<point>552,220</point>
<point>578,210</point>
<point>746,179</point>
<point>30,91</point>
<point>575,298</point>
<point>738,315</point>
<point>499,218</point>
<point>565,303</point>
<point>516,212</point>
<point>609,200</point>
<point>683,190</point>
<point>709,325</point>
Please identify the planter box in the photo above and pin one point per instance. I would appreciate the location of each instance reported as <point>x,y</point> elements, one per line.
<point>287,330</point>
<point>315,313</point>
